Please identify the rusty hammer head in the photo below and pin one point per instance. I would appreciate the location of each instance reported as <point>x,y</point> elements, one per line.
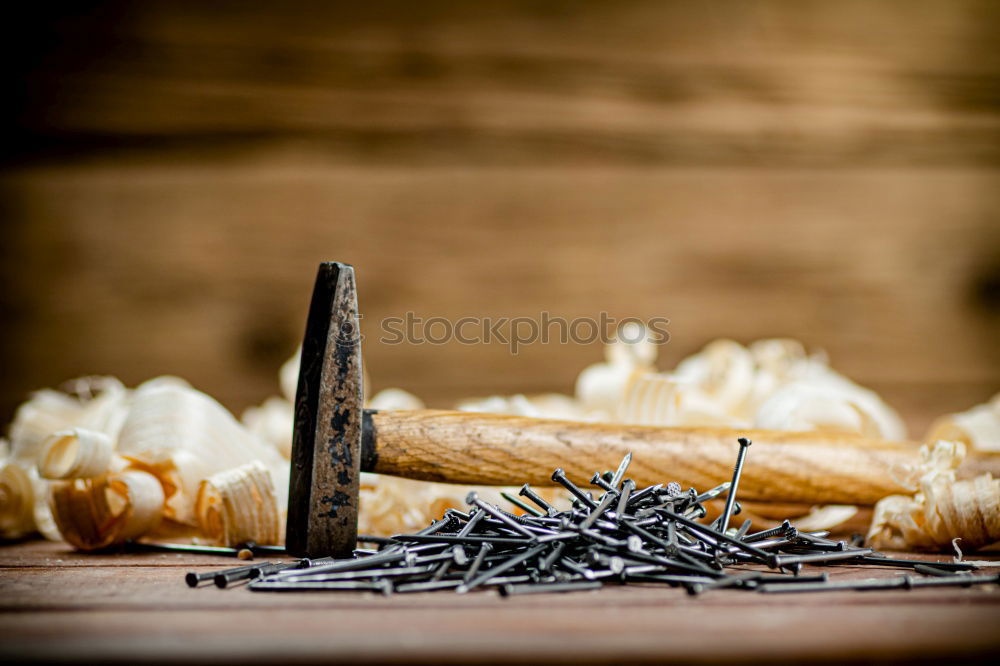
<point>329,404</point>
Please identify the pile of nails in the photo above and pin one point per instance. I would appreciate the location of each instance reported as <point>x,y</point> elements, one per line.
<point>624,535</point>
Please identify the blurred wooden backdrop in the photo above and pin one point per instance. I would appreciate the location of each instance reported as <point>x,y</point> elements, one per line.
<point>173,172</point>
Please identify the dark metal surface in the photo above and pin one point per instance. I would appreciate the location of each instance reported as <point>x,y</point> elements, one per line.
<point>326,445</point>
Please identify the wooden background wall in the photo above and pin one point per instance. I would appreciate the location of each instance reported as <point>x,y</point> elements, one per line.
<point>173,172</point>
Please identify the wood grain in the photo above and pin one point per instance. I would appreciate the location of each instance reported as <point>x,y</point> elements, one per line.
<point>826,172</point>
<point>493,449</point>
<point>133,608</point>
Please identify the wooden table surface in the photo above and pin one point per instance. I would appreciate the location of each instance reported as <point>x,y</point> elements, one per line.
<point>58,605</point>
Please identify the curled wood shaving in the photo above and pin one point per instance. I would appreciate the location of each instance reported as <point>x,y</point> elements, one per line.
<point>599,387</point>
<point>765,515</point>
<point>17,501</point>
<point>977,428</point>
<point>825,517</point>
<point>117,461</point>
<point>46,412</point>
<point>770,384</point>
<point>659,399</point>
<point>546,405</point>
<point>273,422</point>
<point>239,505</point>
<point>943,510</point>
<point>106,510</point>
<point>98,404</point>
<point>184,437</point>
<point>75,454</point>
<point>24,506</point>
<point>724,371</point>
<point>394,398</point>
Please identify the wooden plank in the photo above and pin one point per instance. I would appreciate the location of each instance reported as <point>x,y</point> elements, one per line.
<point>855,262</point>
<point>140,612</point>
<point>38,553</point>
<point>176,170</point>
<point>763,82</point>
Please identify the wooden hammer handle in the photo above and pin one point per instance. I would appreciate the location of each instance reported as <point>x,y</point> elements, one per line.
<point>493,449</point>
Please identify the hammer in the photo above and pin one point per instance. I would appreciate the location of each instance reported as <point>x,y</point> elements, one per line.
<point>336,438</point>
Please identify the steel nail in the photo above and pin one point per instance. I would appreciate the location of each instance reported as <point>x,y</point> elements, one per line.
<point>737,471</point>
<point>623,499</point>
<point>620,472</point>
<point>510,590</point>
<point>559,476</point>
<point>526,491</point>
<point>473,498</point>
<point>521,505</point>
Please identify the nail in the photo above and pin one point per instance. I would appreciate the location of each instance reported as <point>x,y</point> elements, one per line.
<point>500,568</point>
<point>193,579</point>
<point>599,481</point>
<point>713,493</point>
<point>224,578</point>
<point>471,523</point>
<point>731,497</point>
<point>473,498</point>
<point>145,546</point>
<point>964,580</point>
<point>380,541</point>
<point>454,538</point>
<point>349,565</point>
<point>477,563</point>
<point>897,562</point>
<point>545,588</point>
<point>559,476</point>
<point>427,586</point>
<point>765,557</point>
<point>521,505</point>
<point>597,512</point>
<point>813,558</point>
<point>673,489</point>
<point>671,579</point>
<point>441,570</point>
<point>545,564</point>
<point>620,472</point>
<point>526,491</point>
<point>266,568</point>
<point>767,534</point>
<point>392,572</point>
<point>929,570</point>
<point>623,498</point>
<point>383,587</point>
<point>638,497</point>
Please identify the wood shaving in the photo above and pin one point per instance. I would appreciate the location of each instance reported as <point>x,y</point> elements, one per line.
<point>228,479</point>
<point>272,422</point>
<point>394,398</point>
<point>977,428</point>
<point>943,510</point>
<point>99,512</point>
<point>77,453</point>
<point>125,460</point>
<point>239,505</point>
<point>825,517</point>
<point>17,501</point>
<point>184,437</point>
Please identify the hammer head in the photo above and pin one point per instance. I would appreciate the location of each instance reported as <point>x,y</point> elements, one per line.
<point>326,443</point>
